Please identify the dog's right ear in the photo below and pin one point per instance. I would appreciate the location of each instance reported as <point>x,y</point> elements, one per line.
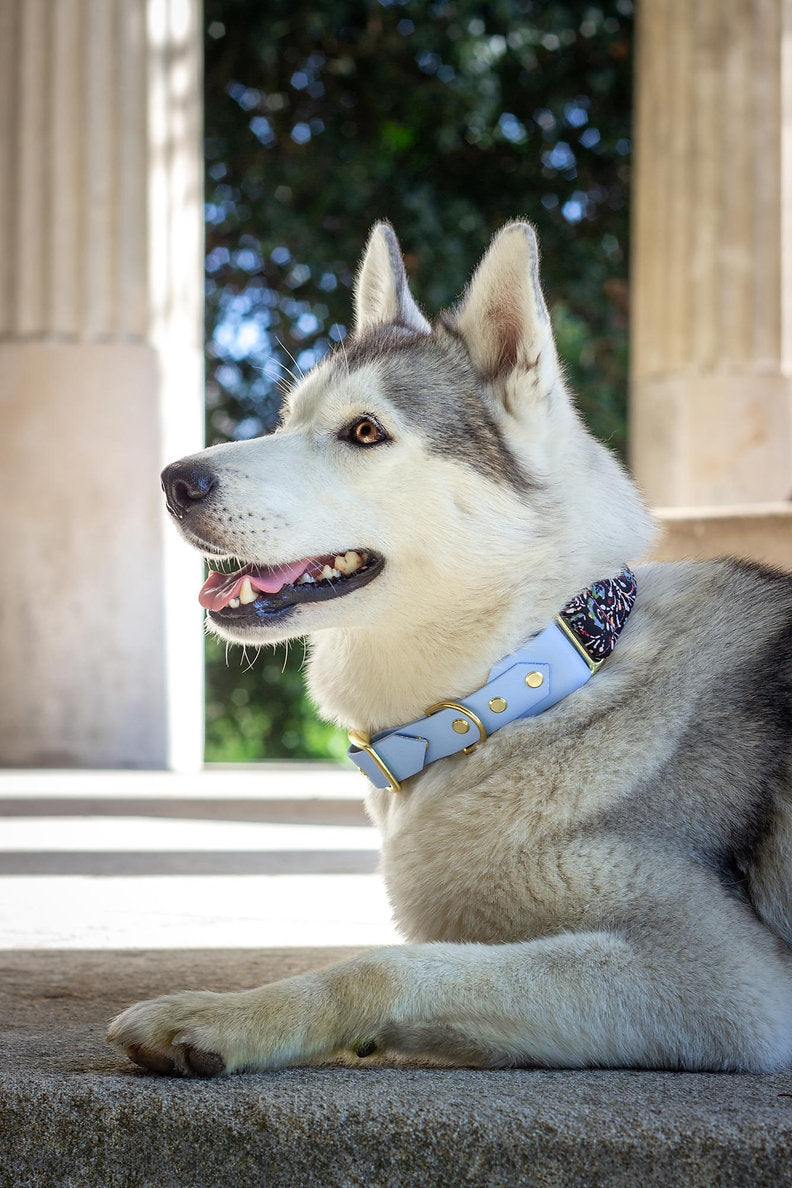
<point>381,292</point>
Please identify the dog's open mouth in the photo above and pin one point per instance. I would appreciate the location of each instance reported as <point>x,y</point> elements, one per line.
<point>261,591</point>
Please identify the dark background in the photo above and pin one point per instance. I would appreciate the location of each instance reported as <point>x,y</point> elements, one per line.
<point>449,119</point>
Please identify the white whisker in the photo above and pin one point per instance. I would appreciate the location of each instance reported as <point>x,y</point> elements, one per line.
<point>280,380</point>
<point>291,356</point>
<point>250,663</point>
<point>342,344</point>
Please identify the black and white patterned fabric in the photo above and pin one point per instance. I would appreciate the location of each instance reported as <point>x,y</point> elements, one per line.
<point>598,614</point>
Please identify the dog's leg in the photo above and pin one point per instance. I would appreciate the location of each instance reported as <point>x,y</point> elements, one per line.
<point>571,1000</point>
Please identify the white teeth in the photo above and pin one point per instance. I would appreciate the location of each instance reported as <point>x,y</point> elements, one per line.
<point>306,580</point>
<point>234,603</point>
<point>349,563</point>
<point>246,592</point>
<point>327,572</point>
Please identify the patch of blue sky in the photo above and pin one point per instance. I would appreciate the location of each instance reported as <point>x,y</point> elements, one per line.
<point>306,324</point>
<point>246,97</point>
<point>511,128</point>
<point>301,133</point>
<point>560,156</point>
<point>292,308</point>
<point>247,260</point>
<point>263,131</point>
<point>217,258</point>
<point>229,376</point>
<point>308,358</point>
<point>576,207</point>
<point>576,115</point>
<point>248,427</point>
<point>240,337</point>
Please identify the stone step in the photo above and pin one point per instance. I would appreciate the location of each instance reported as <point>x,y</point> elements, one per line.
<point>759,531</point>
<point>214,782</point>
<point>250,857</point>
<point>73,1113</point>
<point>77,948</point>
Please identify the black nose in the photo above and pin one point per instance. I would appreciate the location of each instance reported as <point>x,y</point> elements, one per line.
<point>186,483</point>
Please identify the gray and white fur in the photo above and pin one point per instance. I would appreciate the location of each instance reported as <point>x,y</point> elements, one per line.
<point>607,884</point>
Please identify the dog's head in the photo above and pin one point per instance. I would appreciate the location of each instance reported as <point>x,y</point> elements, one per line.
<point>423,477</point>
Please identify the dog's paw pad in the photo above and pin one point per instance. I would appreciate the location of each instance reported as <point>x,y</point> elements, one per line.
<point>203,1064</point>
<point>199,1062</point>
<point>150,1059</point>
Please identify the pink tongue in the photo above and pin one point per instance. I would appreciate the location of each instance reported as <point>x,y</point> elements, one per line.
<point>219,588</point>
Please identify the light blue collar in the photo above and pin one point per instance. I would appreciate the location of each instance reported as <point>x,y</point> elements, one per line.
<point>555,663</point>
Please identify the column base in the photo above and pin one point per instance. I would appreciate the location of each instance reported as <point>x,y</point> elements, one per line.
<point>102,641</point>
<point>711,440</point>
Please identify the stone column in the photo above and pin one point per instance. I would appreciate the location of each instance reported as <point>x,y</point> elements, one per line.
<point>711,414</point>
<point>100,380</point>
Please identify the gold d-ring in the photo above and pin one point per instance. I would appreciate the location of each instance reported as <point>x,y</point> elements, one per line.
<point>462,709</point>
<point>363,743</point>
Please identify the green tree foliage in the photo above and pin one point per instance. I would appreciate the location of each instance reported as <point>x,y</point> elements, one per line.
<point>447,118</point>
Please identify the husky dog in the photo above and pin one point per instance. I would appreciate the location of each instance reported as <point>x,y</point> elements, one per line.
<point>606,883</point>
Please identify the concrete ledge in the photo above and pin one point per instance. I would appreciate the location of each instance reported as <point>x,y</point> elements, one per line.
<point>72,1113</point>
<point>759,531</point>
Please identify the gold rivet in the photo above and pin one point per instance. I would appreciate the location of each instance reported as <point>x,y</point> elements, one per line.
<point>497,705</point>
<point>460,725</point>
<point>534,680</point>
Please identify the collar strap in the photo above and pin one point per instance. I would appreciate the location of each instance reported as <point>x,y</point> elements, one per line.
<point>541,673</point>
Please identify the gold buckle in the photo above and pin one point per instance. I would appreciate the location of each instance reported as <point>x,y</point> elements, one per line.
<point>462,709</point>
<point>363,742</point>
<point>573,639</point>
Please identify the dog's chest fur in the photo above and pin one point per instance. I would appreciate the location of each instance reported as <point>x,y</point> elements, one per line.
<point>562,821</point>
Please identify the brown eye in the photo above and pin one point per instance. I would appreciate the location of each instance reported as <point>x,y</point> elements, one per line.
<point>366,432</point>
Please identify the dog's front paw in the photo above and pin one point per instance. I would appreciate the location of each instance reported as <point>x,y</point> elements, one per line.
<point>192,1033</point>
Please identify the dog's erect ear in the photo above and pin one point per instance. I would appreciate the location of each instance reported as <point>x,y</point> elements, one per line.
<point>381,292</point>
<point>502,317</point>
